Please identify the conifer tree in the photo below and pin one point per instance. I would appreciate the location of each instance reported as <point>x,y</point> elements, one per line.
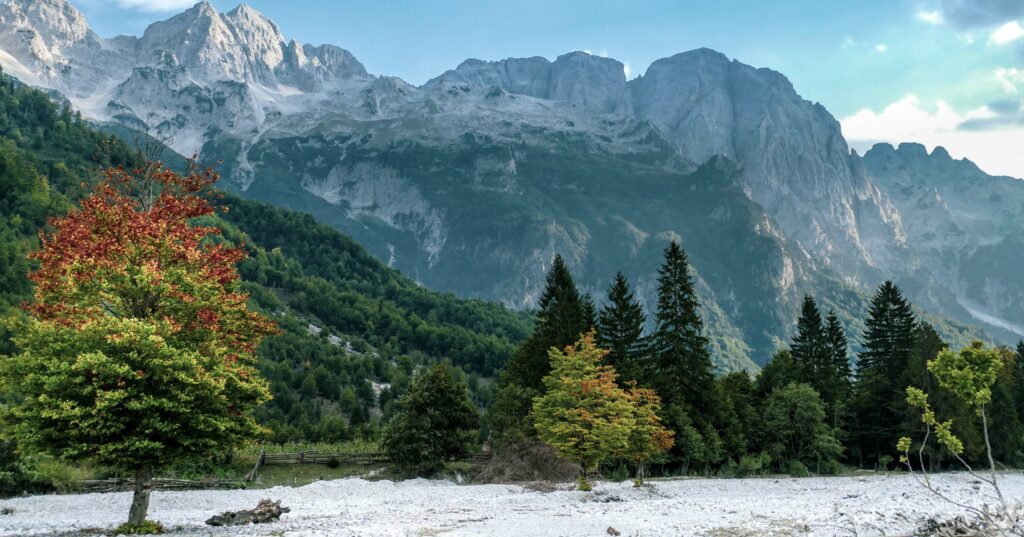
<point>837,392</point>
<point>437,423</point>
<point>561,320</point>
<point>810,346</point>
<point>680,366</point>
<point>589,313</point>
<point>620,328</point>
<point>879,398</point>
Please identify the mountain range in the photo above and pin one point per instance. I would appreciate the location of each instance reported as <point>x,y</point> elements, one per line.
<point>471,182</point>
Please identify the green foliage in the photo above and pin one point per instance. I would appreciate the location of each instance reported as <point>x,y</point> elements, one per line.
<point>680,364</point>
<point>877,405</point>
<point>563,317</point>
<point>620,329</point>
<point>146,527</point>
<point>795,427</point>
<point>583,413</point>
<point>969,374</point>
<point>436,423</point>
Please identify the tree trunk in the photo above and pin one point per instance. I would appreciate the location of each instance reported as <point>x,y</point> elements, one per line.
<point>140,501</point>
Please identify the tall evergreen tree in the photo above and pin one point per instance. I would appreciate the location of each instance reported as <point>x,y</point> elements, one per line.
<point>680,366</point>
<point>561,320</point>
<point>620,328</point>
<point>589,314</point>
<point>810,348</point>
<point>838,347</point>
<point>880,389</point>
<point>836,394</point>
<point>1018,380</point>
<point>680,362</point>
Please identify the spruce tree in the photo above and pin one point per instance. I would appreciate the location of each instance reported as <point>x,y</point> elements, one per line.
<point>837,346</point>
<point>880,390</point>
<point>589,314</point>
<point>561,320</point>
<point>810,346</point>
<point>837,393</point>
<point>437,423</point>
<point>680,366</point>
<point>620,327</point>
<point>681,362</point>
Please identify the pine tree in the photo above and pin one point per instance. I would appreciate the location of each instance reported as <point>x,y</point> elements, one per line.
<point>880,389</point>
<point>563,314</point>
<point>561,320</point>
<point>680,366</point>
<point>620,328</point>
<point>810,346</point>
<point>437,423</point>
<point>589,313</point>
<point>837,393</point>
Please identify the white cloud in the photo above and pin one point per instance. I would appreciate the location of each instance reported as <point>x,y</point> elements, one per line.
<point>881,47</point>
<point>1007,33</point>
<point>967,39</point>
<point>848,42</point>
<point>1009,78</point>
<point>931,17</point>
<point>627,70</point>
<point>908,120</point>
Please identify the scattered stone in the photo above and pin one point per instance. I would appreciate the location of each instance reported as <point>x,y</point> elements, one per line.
<point>266,511</point>
<point>6,511</point>
<point>613,532</point>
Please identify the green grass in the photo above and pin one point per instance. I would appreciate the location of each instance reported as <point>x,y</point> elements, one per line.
<point>296,475</point>
<point>352,446</point>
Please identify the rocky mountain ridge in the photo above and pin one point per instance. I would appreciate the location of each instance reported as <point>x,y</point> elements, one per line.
<point>472,181</point>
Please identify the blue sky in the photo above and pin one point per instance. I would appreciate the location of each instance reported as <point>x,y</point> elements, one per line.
<point>947,72</point>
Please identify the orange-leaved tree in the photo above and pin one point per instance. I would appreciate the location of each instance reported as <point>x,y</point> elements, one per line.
<point>139,349</point>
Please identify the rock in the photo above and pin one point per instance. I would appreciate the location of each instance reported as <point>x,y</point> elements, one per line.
<point>266,511</point>
<point>613,532</point>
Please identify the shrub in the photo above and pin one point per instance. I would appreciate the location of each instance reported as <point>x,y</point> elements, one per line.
<point>753,464</point>
<point>797,469</point>
<point>146,527</point>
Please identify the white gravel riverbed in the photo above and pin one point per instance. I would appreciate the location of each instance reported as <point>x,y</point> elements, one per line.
<point>716,507</point>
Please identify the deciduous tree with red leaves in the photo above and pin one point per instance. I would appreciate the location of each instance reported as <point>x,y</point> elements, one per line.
<point>139,349</point>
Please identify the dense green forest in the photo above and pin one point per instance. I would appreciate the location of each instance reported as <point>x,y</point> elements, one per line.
<point>807,411</point>
<point>353,330</point>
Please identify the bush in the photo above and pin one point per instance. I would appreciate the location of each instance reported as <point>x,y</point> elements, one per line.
<point>333,462</point>
<point>148,527</point>
<point>797,469</point>
<point>830,467</point>
<point>61,476</point>
<point>753,464</point>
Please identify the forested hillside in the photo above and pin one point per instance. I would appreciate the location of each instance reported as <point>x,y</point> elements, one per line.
<point>353,330</point>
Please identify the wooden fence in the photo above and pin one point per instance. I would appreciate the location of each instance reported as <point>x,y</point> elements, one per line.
<point>305,457</point>
<point>313,457</point>
<point>127,484</point>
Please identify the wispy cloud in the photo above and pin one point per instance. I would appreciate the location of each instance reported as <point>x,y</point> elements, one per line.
<point>1007,33</point>
<point>1009,77</point>
<point>981,13</point>
<point>930,16</point>
<point>881,47</point>
<point>989,135</point>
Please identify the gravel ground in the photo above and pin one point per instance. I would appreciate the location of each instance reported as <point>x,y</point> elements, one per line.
<point>355,507</point>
